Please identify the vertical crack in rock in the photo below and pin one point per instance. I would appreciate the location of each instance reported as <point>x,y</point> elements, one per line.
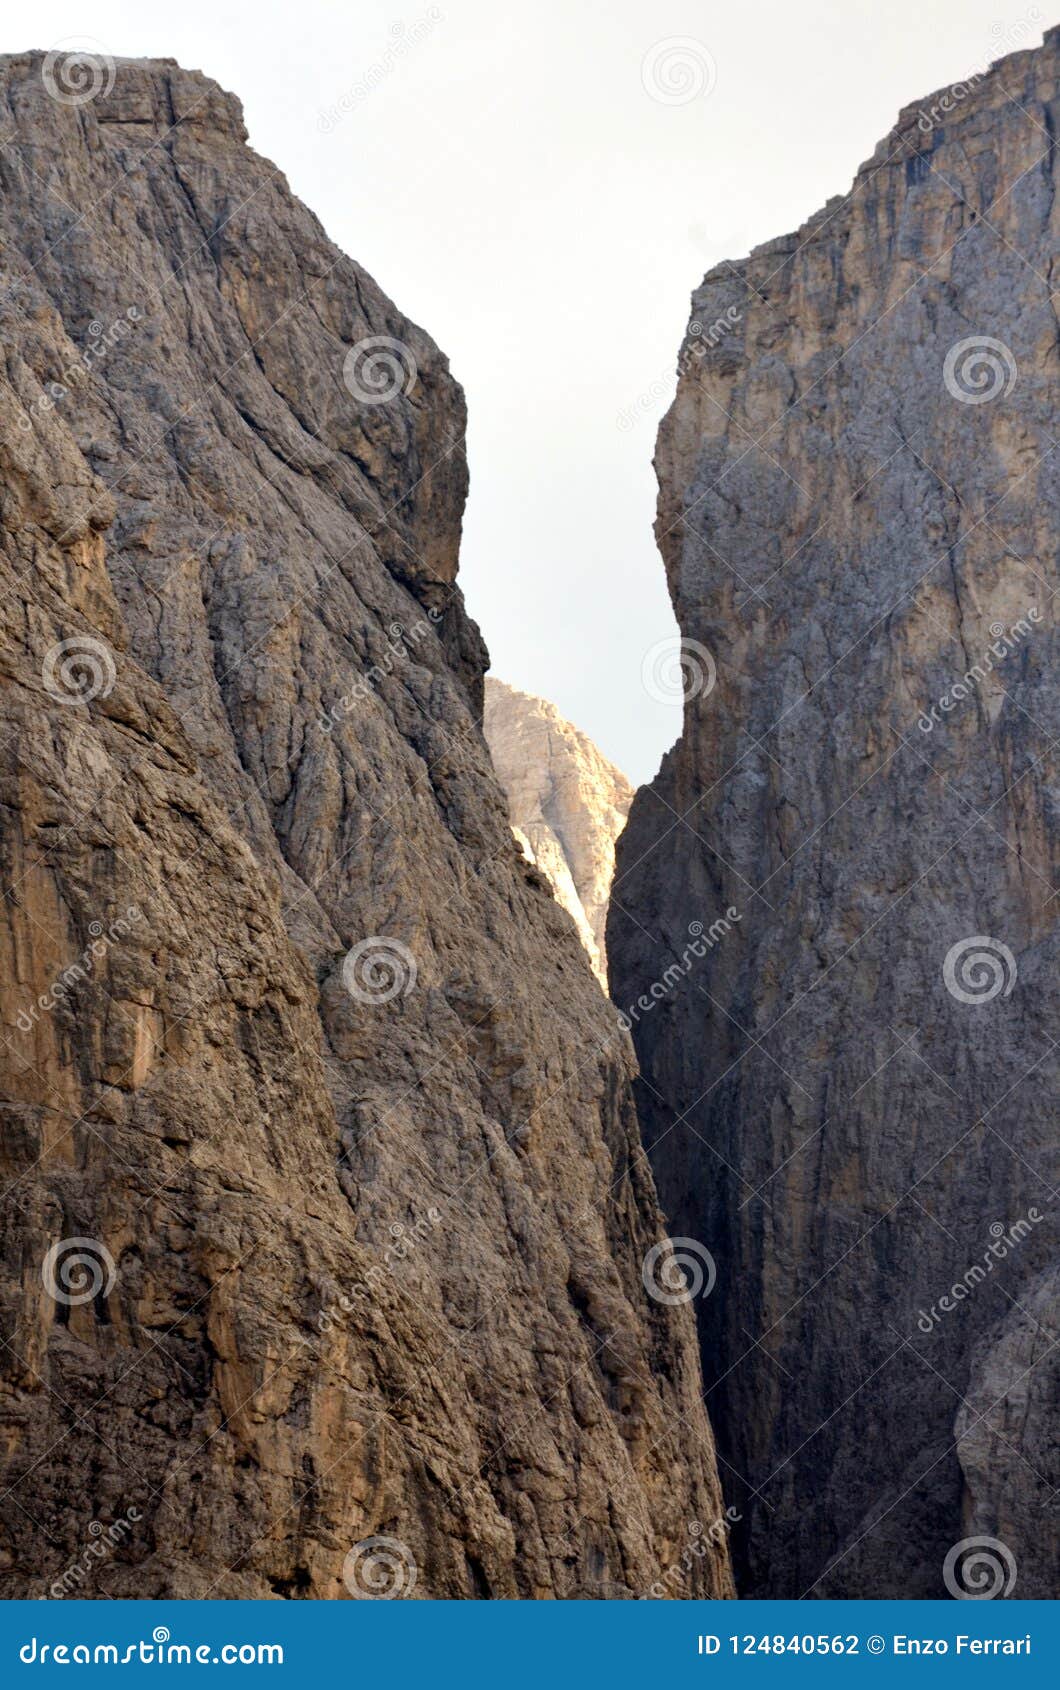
<point>324,1204</point>
<point>850,1093</point>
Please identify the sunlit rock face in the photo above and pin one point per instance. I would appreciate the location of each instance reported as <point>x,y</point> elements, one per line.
<point>324,1207</point>
<point>568,804</point>
<point>850,1095</point>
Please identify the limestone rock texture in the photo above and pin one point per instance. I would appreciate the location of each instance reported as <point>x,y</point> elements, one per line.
<point>324,1208</point>
<point>568,804</point>
<point>850,1094</point>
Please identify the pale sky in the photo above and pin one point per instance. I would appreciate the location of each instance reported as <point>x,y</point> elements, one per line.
<point>503,172</point>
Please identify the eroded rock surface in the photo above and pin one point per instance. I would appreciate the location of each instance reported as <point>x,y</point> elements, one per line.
<point>851,1095</point>
<point>1007,1431</point>
<point>367,1245</point>
<point>568,804</point>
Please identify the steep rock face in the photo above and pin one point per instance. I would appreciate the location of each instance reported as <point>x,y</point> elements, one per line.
<point>850,1090</point>
<point>324,1206</point>
<point>567,802</point>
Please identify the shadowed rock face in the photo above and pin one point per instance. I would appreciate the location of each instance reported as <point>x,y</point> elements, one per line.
<point>859,509</point>
<point>366,1241</point>
<point>567,803</point>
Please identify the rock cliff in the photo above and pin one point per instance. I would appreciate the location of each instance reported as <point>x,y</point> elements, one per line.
<point>851,1080</point>
<point>567,802</point>
<point>324,1207</point>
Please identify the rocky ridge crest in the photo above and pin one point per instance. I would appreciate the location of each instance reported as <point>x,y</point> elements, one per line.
<point>567,802</point>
